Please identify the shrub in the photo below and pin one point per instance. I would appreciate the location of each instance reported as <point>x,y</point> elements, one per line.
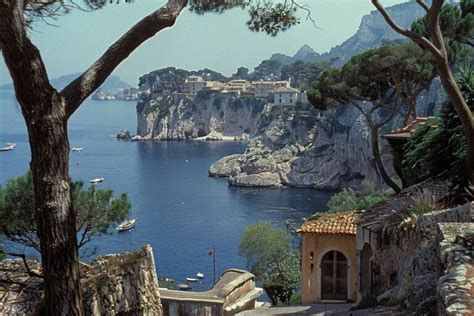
<point>349,199</point>
<point>440,152</point>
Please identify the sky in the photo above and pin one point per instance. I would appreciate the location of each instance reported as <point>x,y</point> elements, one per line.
<point>219,42</point>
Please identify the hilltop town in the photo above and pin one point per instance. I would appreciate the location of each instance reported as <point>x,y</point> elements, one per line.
<point>279,92</point>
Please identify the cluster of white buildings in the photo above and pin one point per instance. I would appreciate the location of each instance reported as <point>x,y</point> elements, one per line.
<point>281,91</point>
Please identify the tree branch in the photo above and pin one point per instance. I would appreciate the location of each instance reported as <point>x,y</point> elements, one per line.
<point>423,4</point>
<point>423,41</point>
<point>23,58</point>
<point>83,86</point>
<point>25,263</point>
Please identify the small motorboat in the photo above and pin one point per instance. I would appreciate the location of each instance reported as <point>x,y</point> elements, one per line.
<point>191,279</point>
<point>97,180</point>
<point>77,149</point>
<point>126,225</point>
<point>8,147</point>
<point>200,275</point>
<point>184,286</point>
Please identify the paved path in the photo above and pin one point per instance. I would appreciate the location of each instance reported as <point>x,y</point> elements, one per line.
<point>315,309</point>
<point>325,310</point>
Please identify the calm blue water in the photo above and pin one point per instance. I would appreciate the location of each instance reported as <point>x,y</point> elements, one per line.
<point>181,212</point>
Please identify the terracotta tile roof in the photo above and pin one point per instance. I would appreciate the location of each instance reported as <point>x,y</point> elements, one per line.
<point>332,223</point>
<point>405,132</point>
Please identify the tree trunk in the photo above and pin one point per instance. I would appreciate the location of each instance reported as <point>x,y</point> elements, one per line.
<point>374,135</point>
<point>463,111</point>
<point>47,129</point>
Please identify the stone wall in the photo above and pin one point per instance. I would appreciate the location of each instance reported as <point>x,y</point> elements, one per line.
<point>234,292</point>
<point>123,283</point>
<point>455,290</point>
<point>119,284</point>
<point>404,263</point>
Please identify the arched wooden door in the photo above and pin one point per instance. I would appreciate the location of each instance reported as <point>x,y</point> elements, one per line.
<point>334,276</point>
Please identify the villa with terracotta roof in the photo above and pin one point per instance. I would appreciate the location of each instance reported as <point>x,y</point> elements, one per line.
<point>328,262</point>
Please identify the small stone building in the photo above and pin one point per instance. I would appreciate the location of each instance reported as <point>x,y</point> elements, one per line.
<point>285,96</point>
<point>328,262</point>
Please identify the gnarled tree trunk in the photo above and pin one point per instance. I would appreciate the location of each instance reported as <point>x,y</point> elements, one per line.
<point>47,130</point>
<point>374,140</point>
<point>46,112</point>
<point>435,45</point>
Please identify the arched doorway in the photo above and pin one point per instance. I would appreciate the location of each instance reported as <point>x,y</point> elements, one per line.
<point>334,276</point>
<point>366,271</point>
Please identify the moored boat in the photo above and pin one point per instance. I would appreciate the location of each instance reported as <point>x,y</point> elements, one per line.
<point>126,225</point>
<point>8,147</point>
<point>97,180</point>
<point>77,149</point>
<point>191,279</point>
<point>184,286</point>
<point>200,275</point>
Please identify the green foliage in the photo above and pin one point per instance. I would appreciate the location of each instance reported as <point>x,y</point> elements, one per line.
<point>371,75</point>
<point>157,105</point>
<point>440,152</point>
<point>96,211</point>
<point>272,18</point>
<point>267,70</point>
<point>349,199</point>
<point>423,203</point>
<point>457,26</point>
<point>296,299</point>
<point>271,258</point>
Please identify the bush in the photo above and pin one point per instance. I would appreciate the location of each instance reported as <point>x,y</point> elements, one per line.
<point>272,259</point>
<point>349,199</point>
<point>440,152</point>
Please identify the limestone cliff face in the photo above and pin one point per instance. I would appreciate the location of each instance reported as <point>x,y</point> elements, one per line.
<point>325,151</point>
<point>307,148</point>
<point>180,118</point>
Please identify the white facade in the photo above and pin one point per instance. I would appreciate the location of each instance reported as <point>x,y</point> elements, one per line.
<point>285,96</point>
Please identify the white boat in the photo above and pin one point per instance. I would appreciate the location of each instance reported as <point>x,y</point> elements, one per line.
<point>184,286</point>
<point>191,279</point>
<point>200,275</point>
<point>97,180</point>
<point>8,147</point>
<point>126,225</point>
<point>77,149</point>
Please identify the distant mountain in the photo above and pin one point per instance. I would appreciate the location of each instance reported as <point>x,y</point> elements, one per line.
<point>112,84</point>
<point>373,31</point>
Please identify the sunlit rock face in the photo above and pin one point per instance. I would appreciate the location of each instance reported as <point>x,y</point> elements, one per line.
<point>180,118</point>
<point>324,151</point>
<point>117,284</point>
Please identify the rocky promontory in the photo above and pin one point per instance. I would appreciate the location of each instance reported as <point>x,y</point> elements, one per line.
<point>206,115</point>
<point>325,151</point>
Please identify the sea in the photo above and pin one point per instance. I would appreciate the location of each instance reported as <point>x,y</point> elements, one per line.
<point>180,211</point>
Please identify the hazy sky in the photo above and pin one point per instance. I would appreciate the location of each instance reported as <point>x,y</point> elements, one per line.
<point>220,42</point>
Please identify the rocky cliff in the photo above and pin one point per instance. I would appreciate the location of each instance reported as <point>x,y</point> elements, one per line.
<point>306,148</point>
<point>168,117</point>
<point>119,284</point>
